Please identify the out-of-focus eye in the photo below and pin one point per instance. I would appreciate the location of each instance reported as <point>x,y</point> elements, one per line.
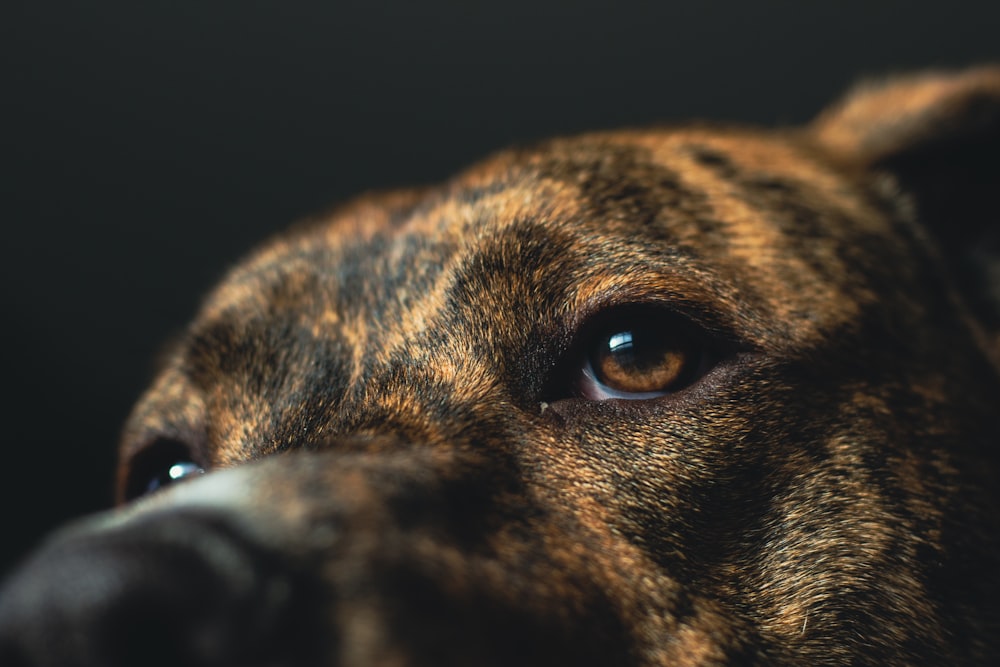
<point>641,354</point>
<point>174,473</point>
<point>159,465</point>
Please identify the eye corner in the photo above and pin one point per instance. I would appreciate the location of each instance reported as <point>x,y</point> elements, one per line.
<point>161,462</point>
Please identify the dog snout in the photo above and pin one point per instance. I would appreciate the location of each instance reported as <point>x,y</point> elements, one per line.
<point>174,588</point>
<point>223,571</point>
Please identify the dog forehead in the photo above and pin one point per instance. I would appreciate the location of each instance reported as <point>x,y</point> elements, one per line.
<point>456,291</point>
<point>751,224</point>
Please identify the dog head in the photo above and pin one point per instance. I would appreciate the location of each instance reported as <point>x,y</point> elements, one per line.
<point>689,396</point>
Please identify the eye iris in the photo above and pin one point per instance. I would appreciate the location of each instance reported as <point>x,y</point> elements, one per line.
<point>635,361</point>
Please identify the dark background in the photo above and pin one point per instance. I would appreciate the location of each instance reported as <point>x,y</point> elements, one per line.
<point>146,145</point>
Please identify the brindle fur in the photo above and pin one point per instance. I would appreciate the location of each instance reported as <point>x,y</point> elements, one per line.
<point>825,495</point>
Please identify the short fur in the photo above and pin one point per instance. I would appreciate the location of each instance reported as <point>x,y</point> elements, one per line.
<point>417,480</point>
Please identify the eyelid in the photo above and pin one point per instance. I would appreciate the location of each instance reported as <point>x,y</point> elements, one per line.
<point>693,298</point>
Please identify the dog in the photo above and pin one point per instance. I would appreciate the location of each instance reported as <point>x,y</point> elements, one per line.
<point>694,395</point>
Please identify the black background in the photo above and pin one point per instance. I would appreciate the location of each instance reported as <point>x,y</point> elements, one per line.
<point>146,145</point>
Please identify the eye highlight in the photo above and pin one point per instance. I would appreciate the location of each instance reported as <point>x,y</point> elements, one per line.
<point>159,465</point>
<point>640,354</point>
<point>172,474</point>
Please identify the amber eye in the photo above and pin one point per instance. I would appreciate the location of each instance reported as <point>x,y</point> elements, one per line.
<point>640,356</point>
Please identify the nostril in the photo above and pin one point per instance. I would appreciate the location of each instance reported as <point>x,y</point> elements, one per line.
<point>175,590</point>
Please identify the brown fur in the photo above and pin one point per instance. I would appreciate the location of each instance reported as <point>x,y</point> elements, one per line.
<point>822,494</point>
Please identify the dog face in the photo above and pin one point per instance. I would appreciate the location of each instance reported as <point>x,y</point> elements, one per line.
<point>699,395</point>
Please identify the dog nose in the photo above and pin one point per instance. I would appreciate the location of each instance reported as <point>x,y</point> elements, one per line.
<point>183,588</point>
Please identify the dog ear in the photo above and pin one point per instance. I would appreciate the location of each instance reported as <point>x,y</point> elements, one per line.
<point>938,133</point>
